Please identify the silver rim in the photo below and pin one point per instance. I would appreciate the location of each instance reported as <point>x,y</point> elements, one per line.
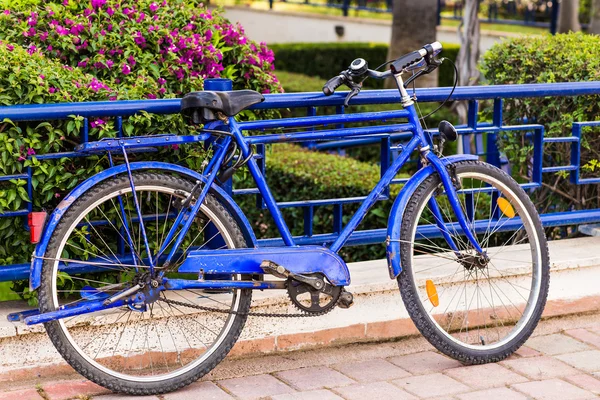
<point>496,292</point>
<point>229,242</point>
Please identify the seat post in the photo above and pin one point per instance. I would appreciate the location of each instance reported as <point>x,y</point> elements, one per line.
<point>218,84</point>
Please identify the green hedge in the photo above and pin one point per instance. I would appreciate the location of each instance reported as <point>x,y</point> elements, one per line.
<point>326,60</point>
<point>294,173</point>
<point>573,57</point>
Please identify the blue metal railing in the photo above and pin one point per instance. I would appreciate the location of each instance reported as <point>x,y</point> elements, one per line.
<point>386,136</point>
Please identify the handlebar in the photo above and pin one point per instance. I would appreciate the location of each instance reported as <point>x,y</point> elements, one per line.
<point>359,69</point>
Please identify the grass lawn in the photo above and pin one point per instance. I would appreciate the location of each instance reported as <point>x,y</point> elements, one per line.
<point>291,7</point>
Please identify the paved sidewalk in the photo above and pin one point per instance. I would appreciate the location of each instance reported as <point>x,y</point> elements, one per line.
<point>561,361</point>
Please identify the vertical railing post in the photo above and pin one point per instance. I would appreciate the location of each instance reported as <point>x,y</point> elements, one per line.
<point>554,17</point>
<point>345,7</point>
<point>493,153</point>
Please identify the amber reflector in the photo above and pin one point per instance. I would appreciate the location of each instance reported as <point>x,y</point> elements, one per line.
<point>505,207</point>
<point>432,293</point>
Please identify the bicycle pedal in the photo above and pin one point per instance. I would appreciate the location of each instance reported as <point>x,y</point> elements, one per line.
<point>275,269</point>
<point>346,300</point>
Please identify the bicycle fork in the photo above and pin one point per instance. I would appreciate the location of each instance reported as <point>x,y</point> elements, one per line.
<point>452,195</point>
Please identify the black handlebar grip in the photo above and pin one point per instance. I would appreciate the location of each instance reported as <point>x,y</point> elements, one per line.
<point>405,61</point>
<point>332,84</point>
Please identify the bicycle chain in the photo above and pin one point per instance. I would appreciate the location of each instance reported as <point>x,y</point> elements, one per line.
<point>249,313</point>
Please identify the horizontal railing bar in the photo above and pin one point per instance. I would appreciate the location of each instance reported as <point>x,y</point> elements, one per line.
<point>17,176</point>
<point>560,168</point>
<point>325,202</point>
<point>245,191</point>
<point>561,139</point>
<point>18,213</point>
<point>328,134</point>
<point>587,181</point>
<point>124,108</point>
<point>323,120</point>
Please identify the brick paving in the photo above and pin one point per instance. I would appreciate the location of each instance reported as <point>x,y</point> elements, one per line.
<point>557,364</point>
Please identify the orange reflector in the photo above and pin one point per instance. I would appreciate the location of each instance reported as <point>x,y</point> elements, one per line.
<point>432,293</point>
<point>505,207</point>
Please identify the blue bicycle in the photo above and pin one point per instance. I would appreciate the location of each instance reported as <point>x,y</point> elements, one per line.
<point>175,260</point>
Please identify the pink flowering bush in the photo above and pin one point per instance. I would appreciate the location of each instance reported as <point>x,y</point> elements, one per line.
<point>71,51</point>
<point>173,44</point>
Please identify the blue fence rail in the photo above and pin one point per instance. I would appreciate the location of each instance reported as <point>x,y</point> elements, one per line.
<point>387,135</point>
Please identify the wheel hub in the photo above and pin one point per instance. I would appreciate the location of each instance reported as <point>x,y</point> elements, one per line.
<point>472,261</point>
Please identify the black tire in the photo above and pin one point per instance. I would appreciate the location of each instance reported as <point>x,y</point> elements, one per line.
<point>55,329</point>
<point>440,338</point>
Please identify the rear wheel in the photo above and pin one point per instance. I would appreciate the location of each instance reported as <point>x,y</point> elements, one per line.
<point>470,308</point>
<point>139,351</point>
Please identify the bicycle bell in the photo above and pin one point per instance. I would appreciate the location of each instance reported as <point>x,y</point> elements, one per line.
<point>359,67</point>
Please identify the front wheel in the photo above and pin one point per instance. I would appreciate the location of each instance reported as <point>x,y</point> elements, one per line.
<point>474,309</point>
<point>160,347</point>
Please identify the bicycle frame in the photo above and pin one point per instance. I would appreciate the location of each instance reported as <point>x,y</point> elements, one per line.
<point>420,141</point>
<point>298,259</point>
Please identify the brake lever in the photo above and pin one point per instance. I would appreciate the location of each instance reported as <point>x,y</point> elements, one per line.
<point>355,90</point>
<point>432,65</point>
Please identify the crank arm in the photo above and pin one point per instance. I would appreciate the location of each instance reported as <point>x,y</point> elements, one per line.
<point>281,272</point>
<point>71,311</point>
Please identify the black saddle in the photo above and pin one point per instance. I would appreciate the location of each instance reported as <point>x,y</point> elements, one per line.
<point>202,107</point>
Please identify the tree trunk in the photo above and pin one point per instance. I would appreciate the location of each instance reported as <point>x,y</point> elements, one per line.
<point>468,55</point>
<point>595,18</point>
<point>413,25</point>
<point>568,16</point>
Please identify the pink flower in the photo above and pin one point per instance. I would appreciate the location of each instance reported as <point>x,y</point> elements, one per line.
<point>162,90</point>
<point>6,12</point>
<point>139,39</point>
<point>82,64</point>
<point>57,195</point>
<point>126,70</point>
<point>110,11</point>
<point>42,77</point>
<point>98,3</point>
<point>51,90</point>
<point>31,49</point>
<point>153,7</point>
<point>96,123</point>
<point>151,96</point>
<point>109,63</point>
<point>21,158</point>
<point>65,2</point>
<point>161,81</point>
<point>61,30</point>
<point>30,152</point>
<point>44,36</point>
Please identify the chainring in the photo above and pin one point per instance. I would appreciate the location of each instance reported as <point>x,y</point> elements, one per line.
<point>311,300</point>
